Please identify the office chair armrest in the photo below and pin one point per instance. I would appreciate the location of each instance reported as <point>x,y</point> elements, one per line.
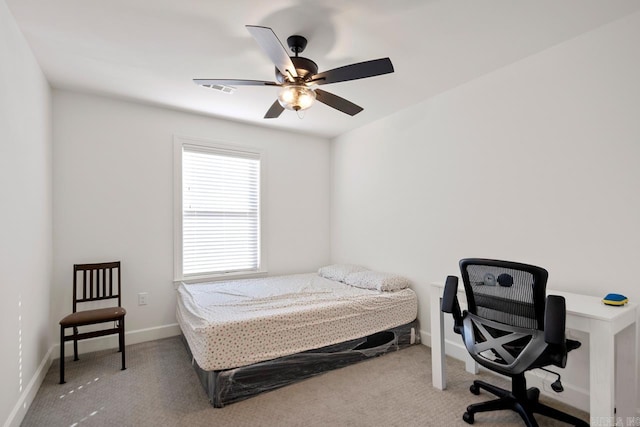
<point>555,316</point>
<point>450,302</point>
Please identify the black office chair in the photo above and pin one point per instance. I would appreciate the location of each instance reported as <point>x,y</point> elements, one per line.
<point>510,326</point>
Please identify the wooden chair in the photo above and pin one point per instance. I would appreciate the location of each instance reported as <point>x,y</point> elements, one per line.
<point>98,282</point>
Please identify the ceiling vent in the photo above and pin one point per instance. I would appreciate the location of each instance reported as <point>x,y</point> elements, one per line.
<point>222,88</point>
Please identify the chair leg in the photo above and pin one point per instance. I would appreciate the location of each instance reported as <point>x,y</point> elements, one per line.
<point>62,355</point>
<point>75,345</point>
<point>121,342</point>
<point>497,391</point>
<point>119,325</point>
<point>525,414</point>
<point>550,412</point>
<point>499,404</point>
<point>502,403</point>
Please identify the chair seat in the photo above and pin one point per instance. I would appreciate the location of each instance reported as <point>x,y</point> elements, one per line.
<point>88,317</point>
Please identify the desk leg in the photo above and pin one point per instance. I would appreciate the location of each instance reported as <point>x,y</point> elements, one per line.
<point>601,372</point>
<point>438,372</point>
<point>625,364</point>
<point>470,365</point>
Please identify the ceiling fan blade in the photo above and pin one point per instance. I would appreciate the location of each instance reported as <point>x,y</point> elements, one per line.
<point>229,82</point>
<point>340,104</point>
<point>274,111</point>
<point>274,49</point>
<point>360,70</point>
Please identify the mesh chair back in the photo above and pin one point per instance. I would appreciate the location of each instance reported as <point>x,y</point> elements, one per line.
<point>506,292</point>
<point>504,324</point>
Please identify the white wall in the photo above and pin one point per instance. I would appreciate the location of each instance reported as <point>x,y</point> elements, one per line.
<point>113,199</point>
<point>25,221</point>
<point>537,162</point>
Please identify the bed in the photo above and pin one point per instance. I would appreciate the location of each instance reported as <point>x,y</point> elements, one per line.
<point>248,336</point>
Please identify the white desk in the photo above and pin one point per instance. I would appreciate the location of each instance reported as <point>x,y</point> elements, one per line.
<point>612,363</point>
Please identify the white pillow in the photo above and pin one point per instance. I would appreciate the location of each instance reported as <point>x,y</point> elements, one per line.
<point>339,271</point>
<point>376,280</point>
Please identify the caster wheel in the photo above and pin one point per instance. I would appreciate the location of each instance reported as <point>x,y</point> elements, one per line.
<point>474,389</point>
<point>468,418</point>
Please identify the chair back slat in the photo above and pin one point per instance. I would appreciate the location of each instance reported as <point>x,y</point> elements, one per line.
<point>97,282</point>
<point>104,281</point>
<point>85,283</point>
<point>91,284</point>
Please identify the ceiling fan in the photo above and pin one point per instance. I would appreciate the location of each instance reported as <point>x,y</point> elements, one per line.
<point>298,77</point>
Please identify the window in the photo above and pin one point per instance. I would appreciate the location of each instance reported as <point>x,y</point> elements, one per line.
<point>218,221</point>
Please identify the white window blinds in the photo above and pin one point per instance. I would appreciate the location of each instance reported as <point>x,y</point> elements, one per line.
<point>220,211</point>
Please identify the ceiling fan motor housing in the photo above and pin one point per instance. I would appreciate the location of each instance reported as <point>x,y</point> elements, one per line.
<point>304,67</point>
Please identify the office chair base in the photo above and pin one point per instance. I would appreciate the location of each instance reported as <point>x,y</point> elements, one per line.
<point>524,401</point>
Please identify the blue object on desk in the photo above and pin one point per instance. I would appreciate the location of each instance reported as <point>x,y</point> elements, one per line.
<point>615,299</point>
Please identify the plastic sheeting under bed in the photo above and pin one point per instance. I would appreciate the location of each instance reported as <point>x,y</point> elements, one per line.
<point>232,385</point>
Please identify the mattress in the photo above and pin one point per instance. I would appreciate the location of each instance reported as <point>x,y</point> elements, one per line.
<point>237,323</point>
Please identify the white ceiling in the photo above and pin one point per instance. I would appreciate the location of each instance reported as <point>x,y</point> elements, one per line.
<point>149,50</point>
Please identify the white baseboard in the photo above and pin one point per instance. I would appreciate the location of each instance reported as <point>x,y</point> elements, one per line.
<point>20,409</point>
<point>86,346</point>
<point>574,396</point>
<point>111,341</point>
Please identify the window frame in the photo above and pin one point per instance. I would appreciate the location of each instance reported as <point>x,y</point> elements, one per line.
<point>179,142</point>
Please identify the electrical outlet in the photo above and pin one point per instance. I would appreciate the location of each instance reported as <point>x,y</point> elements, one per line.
<point>143,298</point>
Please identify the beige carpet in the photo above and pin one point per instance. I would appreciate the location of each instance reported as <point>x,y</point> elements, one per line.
<point>160,388</point>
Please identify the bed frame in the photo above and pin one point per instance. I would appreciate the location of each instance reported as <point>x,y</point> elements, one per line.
<point>232,385</point>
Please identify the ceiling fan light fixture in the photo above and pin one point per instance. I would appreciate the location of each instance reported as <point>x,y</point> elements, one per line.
<point>298,77</point>
<point>296,97</point>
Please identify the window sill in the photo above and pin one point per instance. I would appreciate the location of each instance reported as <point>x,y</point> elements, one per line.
<point>219,277</point>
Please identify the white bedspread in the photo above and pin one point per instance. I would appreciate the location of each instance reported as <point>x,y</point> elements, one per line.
<point>240,322</point>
